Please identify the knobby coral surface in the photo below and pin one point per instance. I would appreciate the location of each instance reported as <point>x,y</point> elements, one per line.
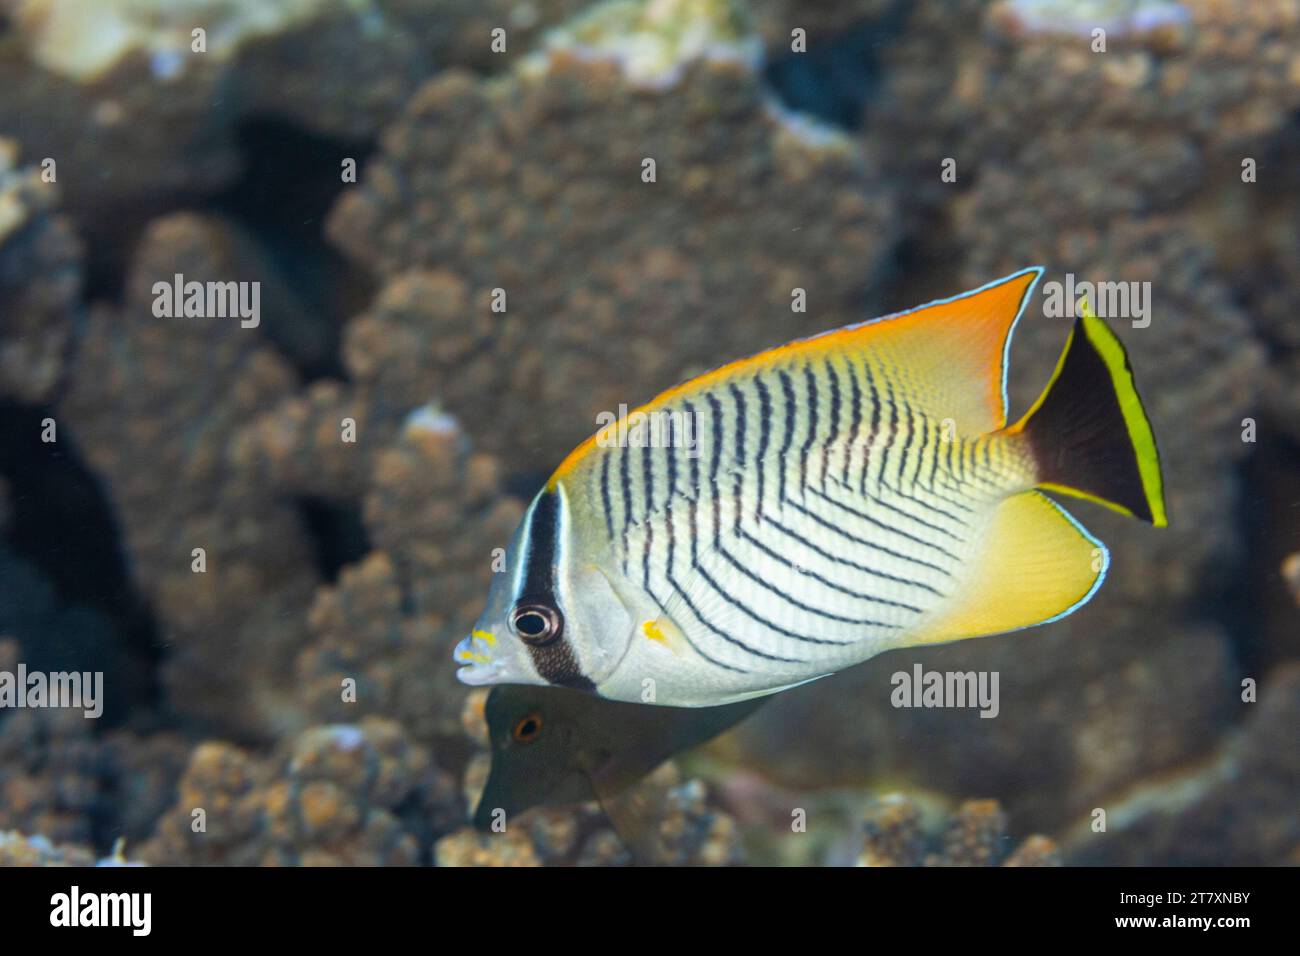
<point>611,228</point>
<point>40,279</point>
<point>974,834</point>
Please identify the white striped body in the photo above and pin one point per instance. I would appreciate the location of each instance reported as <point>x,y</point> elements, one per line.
<point>829,499</point>
<point>822,519</point>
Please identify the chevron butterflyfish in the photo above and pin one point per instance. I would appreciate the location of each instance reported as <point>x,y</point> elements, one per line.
<point>846,494</point>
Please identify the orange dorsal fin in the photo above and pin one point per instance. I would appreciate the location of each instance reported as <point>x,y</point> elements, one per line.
<point>947,358</point>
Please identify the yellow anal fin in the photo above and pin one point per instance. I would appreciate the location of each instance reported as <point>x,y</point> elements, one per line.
<point>1038,564</point>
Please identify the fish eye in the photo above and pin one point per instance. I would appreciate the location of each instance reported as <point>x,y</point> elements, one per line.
<point>527,729</point>
<point>536,624</point>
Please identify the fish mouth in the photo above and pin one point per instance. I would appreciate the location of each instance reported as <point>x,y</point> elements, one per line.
<point>486,810</point>
<point>476,675</point>
<point>496,797</point>
<point>475,653</point>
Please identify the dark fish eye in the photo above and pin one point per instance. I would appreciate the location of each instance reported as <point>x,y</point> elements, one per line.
<point>527,729</point>
<point>536,624</point>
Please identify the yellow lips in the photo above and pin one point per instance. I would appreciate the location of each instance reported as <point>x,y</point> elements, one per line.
<point>466,653</point>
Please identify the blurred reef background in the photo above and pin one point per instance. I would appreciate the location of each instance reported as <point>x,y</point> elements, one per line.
<point>481,168</point>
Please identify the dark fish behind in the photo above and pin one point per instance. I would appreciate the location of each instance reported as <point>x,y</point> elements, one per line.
<point>553,746</point>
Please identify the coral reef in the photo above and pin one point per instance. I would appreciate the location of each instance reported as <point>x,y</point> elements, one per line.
<point>49,770</point>
<point>1237,810</point>
<point>62,780</point>
<point>510,182</point>
<point>652,42</point>
<point>693,833</point>
<point>173,391</point>
<point>18,850</point>
<point>40,280</point>
<point>344,794</point>
<point>430,508</point>
<point>775,19</point>
<point>1198,71</point>
<point>975,834</point>
<point>122,93</point>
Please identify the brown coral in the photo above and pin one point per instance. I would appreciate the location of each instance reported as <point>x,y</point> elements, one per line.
<point>18,850</point>
<point>40,280</point>
<point>692,832</point>
<point>121,89</point>
<point>610,287</point>
<point>63,781</point>
<point>390,622</point>
<point>1010,71</point>
<point>344,794</point>
<point>153,402</point>
<point>1236,809</point>
<point>49,774</point>
<point>975,834</point>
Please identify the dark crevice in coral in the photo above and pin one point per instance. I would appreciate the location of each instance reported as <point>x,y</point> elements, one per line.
<point>109,243</point>
<point>1256,608</point>
<point>64,543</point>
<point>289,183</point>
<point>838,76</point>
<point>337,532</point>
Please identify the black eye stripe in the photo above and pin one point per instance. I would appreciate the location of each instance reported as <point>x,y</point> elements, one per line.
<point>553,657</point>
<point>543,546</point>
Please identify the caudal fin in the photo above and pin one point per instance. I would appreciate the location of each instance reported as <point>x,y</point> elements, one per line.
<point>1088,431</point>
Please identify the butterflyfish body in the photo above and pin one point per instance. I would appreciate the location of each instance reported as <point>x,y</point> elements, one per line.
<point>840,496</point>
